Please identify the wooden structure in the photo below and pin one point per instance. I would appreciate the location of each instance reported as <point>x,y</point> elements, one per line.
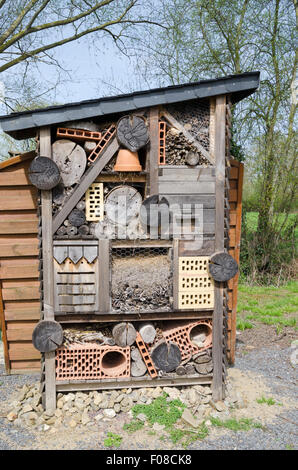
<point>105,247</point>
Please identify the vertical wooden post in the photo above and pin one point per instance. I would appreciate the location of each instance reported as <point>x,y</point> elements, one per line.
<point>4,332</point>
<point>153,151</point>
<point>175,274</point>
<point>48,274</point>
<point>217,330</point>
<point>104,275</point>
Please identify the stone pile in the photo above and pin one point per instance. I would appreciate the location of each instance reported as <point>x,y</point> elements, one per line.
<point>89,408</point>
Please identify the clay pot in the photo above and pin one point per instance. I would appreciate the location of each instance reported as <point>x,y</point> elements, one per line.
<point>127,161</point>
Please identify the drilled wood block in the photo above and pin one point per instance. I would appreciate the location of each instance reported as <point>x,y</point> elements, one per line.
<point>94,203</point>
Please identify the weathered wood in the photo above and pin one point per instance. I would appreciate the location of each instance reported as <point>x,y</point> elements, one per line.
<point>153,151</point>
<point>132,132</point>
<point>44,173</point>
<point>58,194</point>
<point>181,370</point>
<point>85,182</point>
<point>17,199</point>
<point>166,356</point>
<point>147,332</point>
<point>71,230</point>
<point>71,160</point>
<point>176,274</point>
<point>138,368</point>
<point>217,329</point>
<point>223,267</point>
<point>187,135</point>
<point>83,230</point>
<point>104,275</point>
<point>182,173</point>
<point>186,187</point>
<point>48,275</point>
<point>47,336</point>
<point>124,334</point>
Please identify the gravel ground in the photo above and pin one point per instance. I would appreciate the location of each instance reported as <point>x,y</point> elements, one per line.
<point>268,369</point>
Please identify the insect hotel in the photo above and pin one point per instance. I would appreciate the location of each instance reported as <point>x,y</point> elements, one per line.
<point>119,240</point>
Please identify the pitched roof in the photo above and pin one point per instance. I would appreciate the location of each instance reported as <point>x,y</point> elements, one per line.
<point>23,124</point>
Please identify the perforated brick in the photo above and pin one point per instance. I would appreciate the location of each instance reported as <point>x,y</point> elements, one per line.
<point>189,282</point>
<point>193,264</point>
<point>146,356</point>
<point>181,336</point>
<point>195,300</point>
<point>84,361</point>
<point>95,203</point>
<point>102,143</point>
<point>162,143</point>
<point>78,134</point>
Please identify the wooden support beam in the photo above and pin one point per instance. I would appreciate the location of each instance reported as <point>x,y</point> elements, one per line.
<point>104,275</point>
<point>153,151</point>
<point>48,274</point>
<point>187,135</point>
<point>217,330</point>
<point>88,178</point>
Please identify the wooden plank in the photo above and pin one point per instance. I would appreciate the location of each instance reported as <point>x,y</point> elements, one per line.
<point>4,333</point>
<point>88,178</point>
<point>48,274</point>
<point>104,274</point>
<point>76,289</point>
<point>16,199</point>
<point>176,274</point>
<point>187,135</point>
<point>208,201</point>
<point>17,311</point>
<point>18,268</point>
<point>204,187</point>
<point>22,351</point>
<point>196,248</point>
<point>135,382</point>
<point>17,159</point>
<point>233,195</point>
<point>186,174</point>
<point>17,331</point>
<point>21,293</point>
<point>217,323</point>
<point>76,299</point>
<point>24,367</point>
<point>13,226</point>
<point>153,151</point>
<point>19,249</point>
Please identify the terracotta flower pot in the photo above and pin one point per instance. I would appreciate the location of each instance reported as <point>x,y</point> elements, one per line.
<point>127,161</point>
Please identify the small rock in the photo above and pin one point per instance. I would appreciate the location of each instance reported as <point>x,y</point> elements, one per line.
<point>98,417</point>
<point>158,427</point>
<point>60,403</point>
<point>218,405</point>
<point>49,413</point>
<point>98,399</point>
<point>45,427</point>
<point>117,407</point>
<point>69,397</point>
<point>12,416</point>
<point>58,413</point>
<point>51,420</point>
<point>109,413</point>
<point>156,392</point>
<point>192,396</point>
<point>72,423</point>
<point>188,418</point>
<point>26,409</point>
<point>142,417</point>
<point>85,419</point>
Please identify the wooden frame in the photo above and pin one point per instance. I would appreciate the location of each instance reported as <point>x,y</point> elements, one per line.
<point>48,274</point>
<point>217,330</point>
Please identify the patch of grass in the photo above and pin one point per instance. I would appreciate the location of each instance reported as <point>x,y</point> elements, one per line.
<point>243,424</point>
<point>268,401</point>
<point>151,433</point>
<point>166,413</point>
<point>268,305</point>
<point>113,440</point>
<point>133,426</point>
<point>160,411</point>
<point>289,447</point>
<point>243,324</point>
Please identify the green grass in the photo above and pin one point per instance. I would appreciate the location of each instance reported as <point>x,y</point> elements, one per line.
<point>113,440</point>
<point>160,411</point>
<point>243,424</point>
<point>268,401</point>
<point>133,426</point>
<point>252,220</point>
<point>268,305</point>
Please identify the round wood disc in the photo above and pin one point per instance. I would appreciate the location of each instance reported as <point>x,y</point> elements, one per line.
<point>71,160</point>
<point>132,132</point>
<point>44,173</point>
<point>123,204</point>
<point>166,356</point>
<point>47,336</point>
<point>222,267</point>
